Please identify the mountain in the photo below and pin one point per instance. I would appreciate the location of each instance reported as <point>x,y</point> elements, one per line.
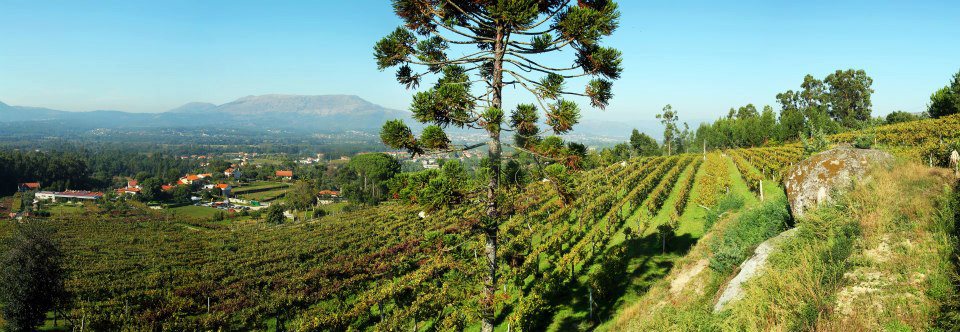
<point>291,112</point>
<point>194,107</point>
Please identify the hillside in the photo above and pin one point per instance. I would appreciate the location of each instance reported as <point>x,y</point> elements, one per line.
<point>605,261</point>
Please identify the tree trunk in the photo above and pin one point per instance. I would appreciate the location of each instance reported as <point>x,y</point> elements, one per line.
<point>492,212</point>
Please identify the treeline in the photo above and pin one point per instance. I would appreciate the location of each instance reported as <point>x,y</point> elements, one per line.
<point>56,171</point>
<point>84,169</point>
<point>837,103</point>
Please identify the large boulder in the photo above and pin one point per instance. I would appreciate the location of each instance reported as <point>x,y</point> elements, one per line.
<point>813,180</point>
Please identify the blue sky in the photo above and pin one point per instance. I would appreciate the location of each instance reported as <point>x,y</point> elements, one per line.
<point>701,56</point>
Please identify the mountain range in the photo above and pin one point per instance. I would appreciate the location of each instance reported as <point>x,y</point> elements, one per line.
<point>293,112</point>
<point>309,113</point>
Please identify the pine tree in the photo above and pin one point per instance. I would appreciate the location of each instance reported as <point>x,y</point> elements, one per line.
<point>504,42</point>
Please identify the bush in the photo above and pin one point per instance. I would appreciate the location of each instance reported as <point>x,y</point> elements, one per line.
<point>864,141</point>
<point>727,203</point>
<point>816,143</point>
<point>749,230</point>
<point>319,213</point>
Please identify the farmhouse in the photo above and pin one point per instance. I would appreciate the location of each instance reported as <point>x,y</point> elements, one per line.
<point>328,196</point>
<point>225,188</point>
<point>231,173</point>
<point>69,195</point>
<point>286,175</point>
<point>28,186</point>
<point>190,179</point>
<point>132,188</point>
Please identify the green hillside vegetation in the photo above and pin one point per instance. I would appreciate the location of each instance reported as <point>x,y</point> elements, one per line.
<point>877,259</point>
<point>605,260</point>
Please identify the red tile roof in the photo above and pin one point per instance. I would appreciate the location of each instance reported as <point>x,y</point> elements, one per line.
<point>31,185</point>
<point>329,193</point>
<point>223,185</point>
<point>285,173</point>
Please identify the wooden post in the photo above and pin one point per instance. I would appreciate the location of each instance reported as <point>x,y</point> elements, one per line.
<point>591,302</point>
<point>761,190</point>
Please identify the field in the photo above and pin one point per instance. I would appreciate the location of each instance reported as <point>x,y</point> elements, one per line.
<point>579,266</point>
<point>261,191</point>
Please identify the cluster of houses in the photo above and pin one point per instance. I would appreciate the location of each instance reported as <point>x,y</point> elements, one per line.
<point>432,161</point>
<point>311,160</point>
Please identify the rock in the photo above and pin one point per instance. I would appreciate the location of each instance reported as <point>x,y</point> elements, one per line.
<point>750,268</point>
<point>811,181</point>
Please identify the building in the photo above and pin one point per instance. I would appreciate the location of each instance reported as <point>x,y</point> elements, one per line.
<point>28,186</point>
<point>132,188</point>
<point>225,188</point>
<point>167,187</point>
<point>189,179</point>
<point>68,196</point>
<point>286,175</point>
<point>328,196</point>
<point>231,173</point>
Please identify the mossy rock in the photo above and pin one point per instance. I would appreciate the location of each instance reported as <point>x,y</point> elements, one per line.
<point>813,180</point>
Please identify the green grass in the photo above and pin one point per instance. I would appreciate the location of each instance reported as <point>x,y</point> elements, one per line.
<point>264,196</point>
<point>201,212</point>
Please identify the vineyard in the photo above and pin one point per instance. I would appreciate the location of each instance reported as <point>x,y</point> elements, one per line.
<point>564,266</point>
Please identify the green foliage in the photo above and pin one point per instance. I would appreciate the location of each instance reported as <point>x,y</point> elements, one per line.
<point>669,120</point>
<point>751,228</point>
<point>320,213</point>
<point>726,203</point>
<point>365,177</point>
<point>944,102</point>
<point>816,143</point>
<point>434,138</point>
<point>848,97</point>
<point>524,120</point>
<point>563,116</point>
<point>397,135</point>
<point>562,180</point>
<point>31,276</point>
<point>864,141</point>
<point>394,49</point>
<point>301,196</point>
<point>274,214</point>
<point>643,144</point>
<point>901,116</point>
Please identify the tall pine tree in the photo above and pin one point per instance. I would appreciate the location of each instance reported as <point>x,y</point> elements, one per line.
<point>496,44</point>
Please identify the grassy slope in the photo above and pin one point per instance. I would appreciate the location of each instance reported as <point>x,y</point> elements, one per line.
<point>887,245</point>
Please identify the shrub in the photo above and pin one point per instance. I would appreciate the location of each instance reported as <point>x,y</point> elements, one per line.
<point>727,203</point>
<point>319,213</point>
<point>864,141</point>
<point>816,143</point>
<point>749,230</point>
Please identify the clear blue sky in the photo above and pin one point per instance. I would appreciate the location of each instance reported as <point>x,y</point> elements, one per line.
<point>701,56</point>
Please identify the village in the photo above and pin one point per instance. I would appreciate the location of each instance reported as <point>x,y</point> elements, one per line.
<point>227,191</point>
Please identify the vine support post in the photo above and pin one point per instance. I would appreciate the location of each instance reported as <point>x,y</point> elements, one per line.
<point>760,189</point>
<point>591,302</point>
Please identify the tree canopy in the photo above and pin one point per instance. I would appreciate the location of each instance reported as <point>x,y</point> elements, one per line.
<point>31,276</point>
<point>643,144</point>
<point>946,101</point>
<point>497,44</point>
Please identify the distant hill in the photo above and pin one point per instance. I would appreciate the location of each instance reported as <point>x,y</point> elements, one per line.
<point>294,112</point>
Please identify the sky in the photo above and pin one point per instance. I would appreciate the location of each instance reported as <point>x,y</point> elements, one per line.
<point>703,57</point>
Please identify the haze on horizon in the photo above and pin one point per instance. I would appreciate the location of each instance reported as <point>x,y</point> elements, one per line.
<point>701,57</point>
